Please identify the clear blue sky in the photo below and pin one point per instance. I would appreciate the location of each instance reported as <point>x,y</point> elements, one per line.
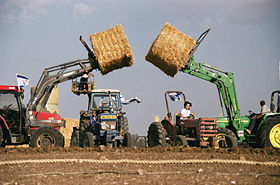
<point>244,39</point>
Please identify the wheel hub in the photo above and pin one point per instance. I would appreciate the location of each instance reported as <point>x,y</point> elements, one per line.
<point>45,140</point>
<point>274,136</point>
<point>221,140</point>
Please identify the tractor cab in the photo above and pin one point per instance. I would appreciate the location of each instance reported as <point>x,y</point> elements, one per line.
<point>105,100</point>
<point>275,102</point>
<point>12,110</point>
<point>105,107</point>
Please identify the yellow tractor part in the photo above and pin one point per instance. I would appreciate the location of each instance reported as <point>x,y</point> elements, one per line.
<point>274,136</point>
<point>221,137</point>
<point>156,118</point>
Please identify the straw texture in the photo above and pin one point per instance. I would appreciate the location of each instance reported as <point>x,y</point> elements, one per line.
<point>68,129</point>
<point>52,103</point>
<point>170,50</point>
<point>112,49</point>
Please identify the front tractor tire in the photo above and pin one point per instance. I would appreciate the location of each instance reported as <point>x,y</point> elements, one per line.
<point>156,135</point>
<point>127,141</point>
<point>226,138</point>
<point>75,139</point>
<point>2,141</point>
<point>270,133</point>
<point>180,141</point>
<point>46,136</point>
<point>88,140</point>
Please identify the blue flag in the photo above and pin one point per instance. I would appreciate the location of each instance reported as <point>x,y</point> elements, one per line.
<point>22,80</point>
<point>175,96</point>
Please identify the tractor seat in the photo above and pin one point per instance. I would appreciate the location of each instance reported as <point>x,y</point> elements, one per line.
<point>177,117</point>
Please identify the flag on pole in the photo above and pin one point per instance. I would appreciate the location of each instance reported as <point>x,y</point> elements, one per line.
<point>126,102</point>
<point>22,80</point>
<point>175,96</point>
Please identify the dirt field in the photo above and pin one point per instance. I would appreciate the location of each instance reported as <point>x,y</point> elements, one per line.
<point>128,173</point>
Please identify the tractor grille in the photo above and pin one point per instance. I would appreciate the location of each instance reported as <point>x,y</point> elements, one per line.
<point>208,131</point>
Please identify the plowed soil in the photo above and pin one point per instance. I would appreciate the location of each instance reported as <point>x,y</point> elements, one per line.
<point>92,173</point>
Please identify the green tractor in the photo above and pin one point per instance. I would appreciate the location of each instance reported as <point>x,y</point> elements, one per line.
<point>231,127</point>
<point>103,123</point>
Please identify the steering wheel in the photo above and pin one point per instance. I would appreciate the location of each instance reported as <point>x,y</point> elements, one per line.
<point>8,106</point>
<point>191,116</point>
<point>252,113</point>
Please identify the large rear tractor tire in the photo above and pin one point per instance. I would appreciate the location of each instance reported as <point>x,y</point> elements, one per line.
<point>156,135</point>
<point>180,141</point>
<point>270,133</point>
<point>226,138</point>
<point>88,140</point>
<point>85,124</point>
<point>46,136</point>
<point>128,142</point>
<point>2,141</point>
<point>75,139</point>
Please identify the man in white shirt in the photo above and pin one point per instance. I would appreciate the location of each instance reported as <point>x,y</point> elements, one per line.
<point>264,107</point>
<point>185,112</point>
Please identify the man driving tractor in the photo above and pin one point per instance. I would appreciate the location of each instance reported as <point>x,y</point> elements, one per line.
<point>185,112</point>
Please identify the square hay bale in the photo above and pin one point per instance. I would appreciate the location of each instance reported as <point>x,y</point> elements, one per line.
<point>170,50</point>
<point>68,129</point>
<point>112,49</point>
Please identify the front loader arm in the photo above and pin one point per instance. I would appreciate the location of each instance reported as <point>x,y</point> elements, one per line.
<point>48,81</point>
<point>54,75</point>
<point>223,80</point>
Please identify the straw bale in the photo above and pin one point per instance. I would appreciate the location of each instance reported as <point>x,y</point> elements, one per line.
<point>54,96</point>
<point>112,49</point>
<point>68,129</point>
<point>170,50</point>
<point>52,108</point>
<point>52,104</point>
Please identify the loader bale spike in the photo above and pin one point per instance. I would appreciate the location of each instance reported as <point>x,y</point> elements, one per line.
<point>172,49</point>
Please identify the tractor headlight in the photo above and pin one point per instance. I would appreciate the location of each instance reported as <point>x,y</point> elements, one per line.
<point>113,126</point>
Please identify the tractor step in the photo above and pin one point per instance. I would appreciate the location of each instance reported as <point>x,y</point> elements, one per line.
<point>251,139</point>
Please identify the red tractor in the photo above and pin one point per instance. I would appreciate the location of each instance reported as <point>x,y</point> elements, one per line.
<point>194,131</point>
<point>14,127</point>
<point>32,124</point>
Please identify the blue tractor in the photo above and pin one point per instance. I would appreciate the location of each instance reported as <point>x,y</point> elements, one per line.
<point>103,123</point>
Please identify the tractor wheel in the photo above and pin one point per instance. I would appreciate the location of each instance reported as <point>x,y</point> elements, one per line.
<point>46,136</point>
<point>156,135</point>
<point>84,124</point>
<point>2,141</point>
<point>180,141</point>
<point>88,140</point>
<point>127,142</point>
<point>75,139</point>
<point>270,133</point>
<point>226,138</point>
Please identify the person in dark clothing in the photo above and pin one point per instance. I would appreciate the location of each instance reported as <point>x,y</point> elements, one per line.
<point>84,82</point>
